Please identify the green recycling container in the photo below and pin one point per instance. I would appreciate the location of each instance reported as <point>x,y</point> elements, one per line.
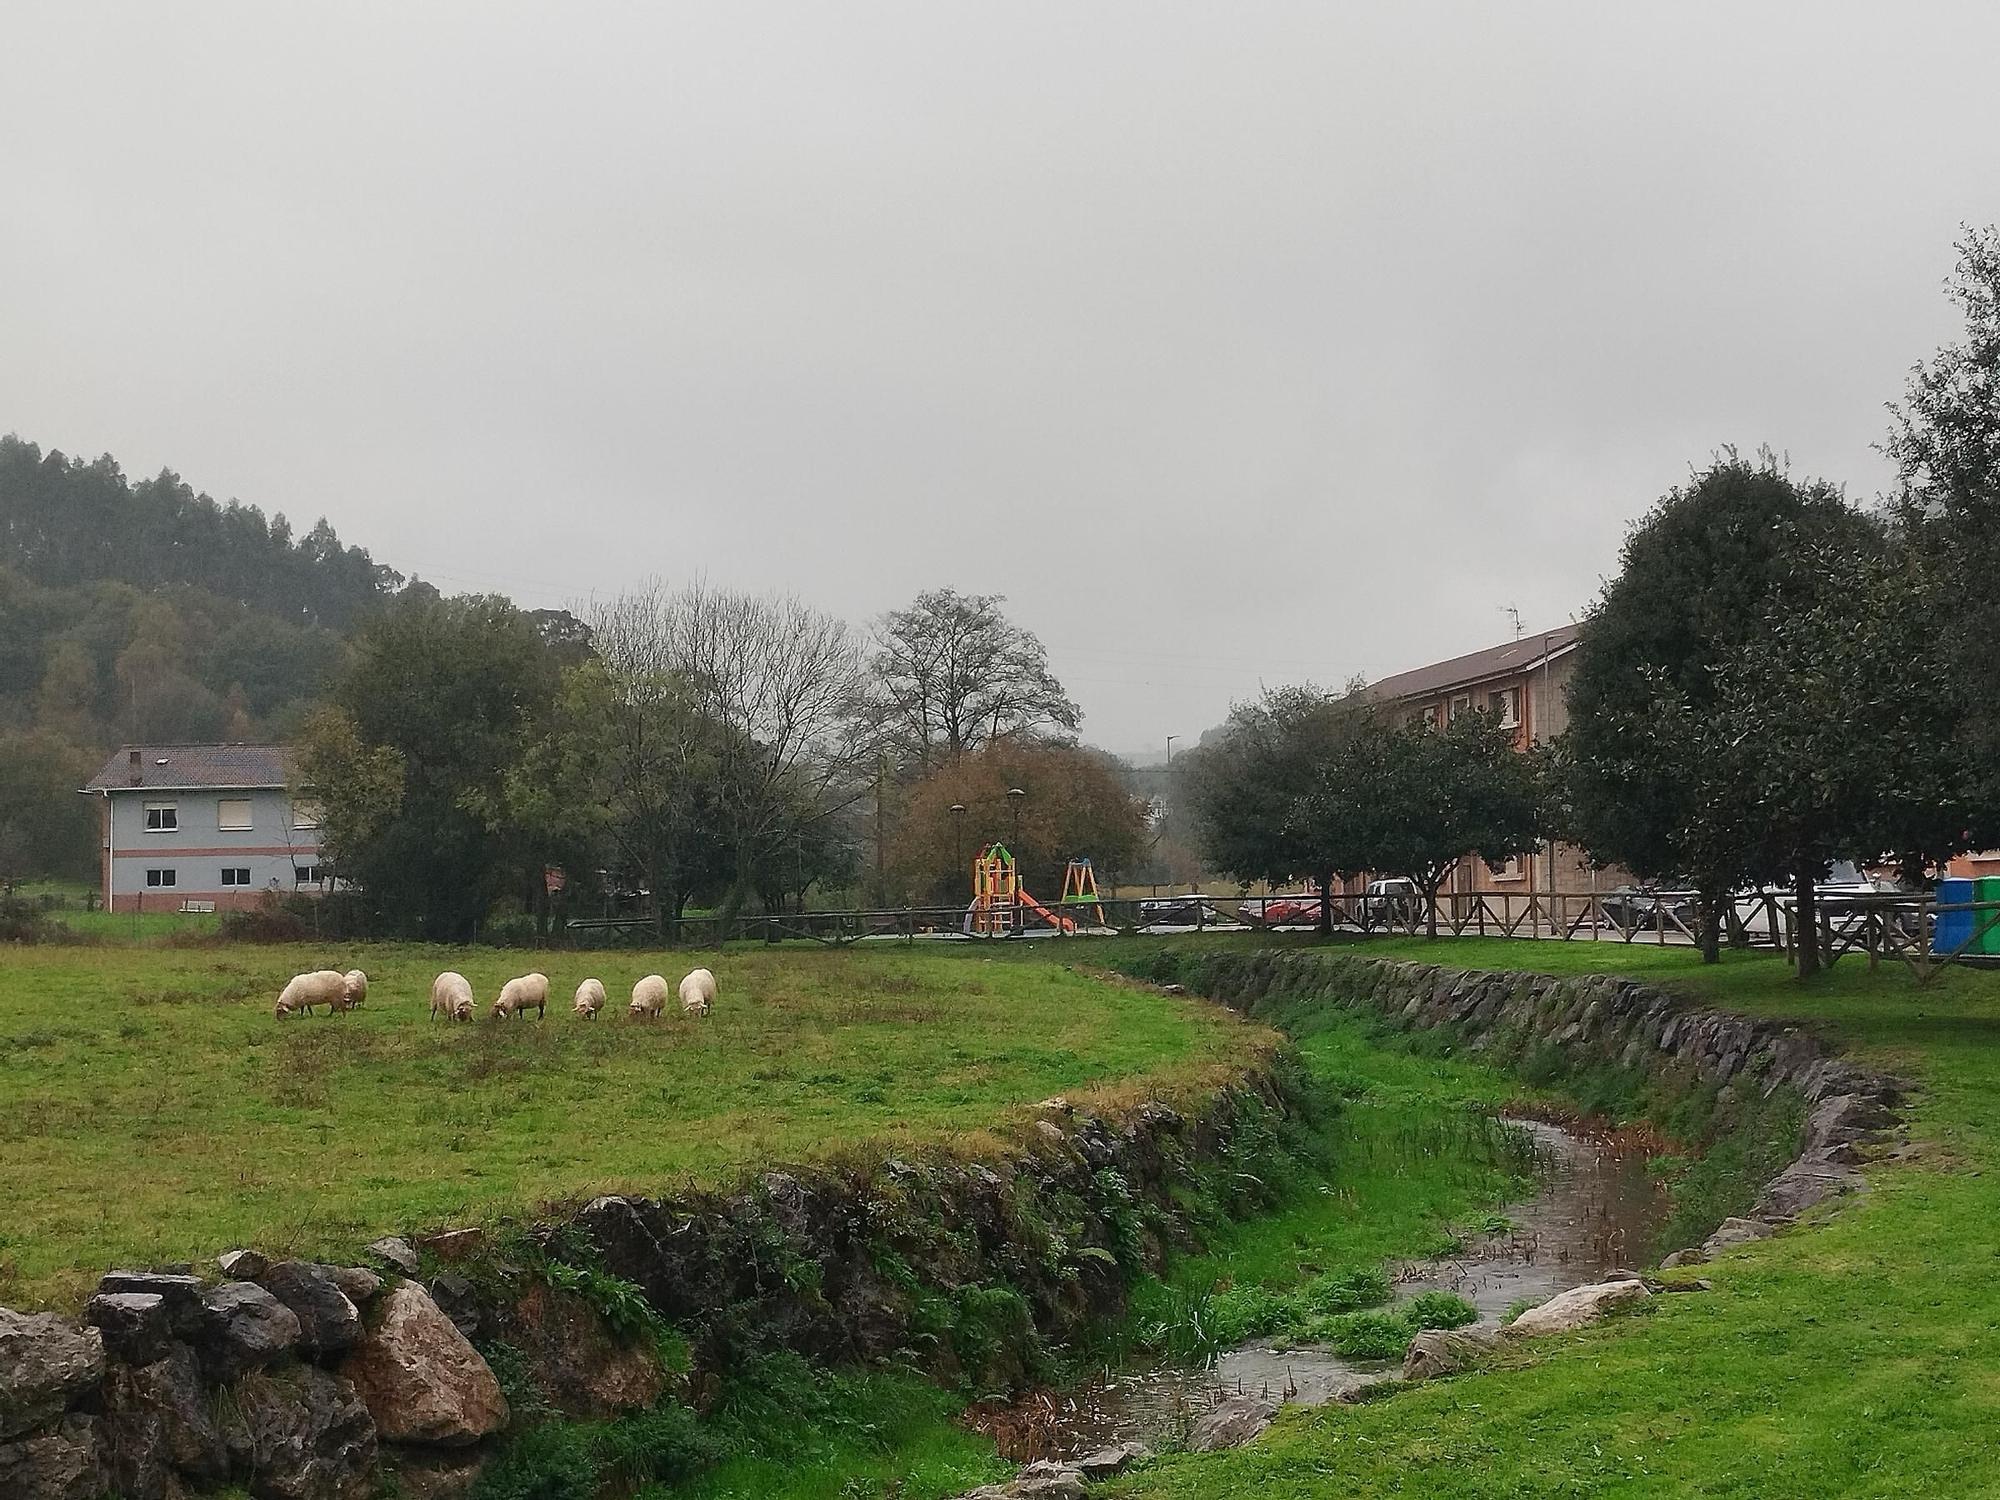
<point>1986,888</point>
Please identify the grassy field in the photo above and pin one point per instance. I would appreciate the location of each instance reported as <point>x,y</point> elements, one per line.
<point>64,903</point>
<point>1858,1357</point>
<point>155,1111</point>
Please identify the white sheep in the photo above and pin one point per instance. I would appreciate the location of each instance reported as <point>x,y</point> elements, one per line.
<point>698,993</point>
<point>357,989</point>
<point>451,997</point>
<point>590,998</point>
<point>649,997</point>
<point>525,992</point>
<point>326,987</point>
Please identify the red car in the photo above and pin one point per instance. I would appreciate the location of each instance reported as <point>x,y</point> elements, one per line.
<point>1284,911</point>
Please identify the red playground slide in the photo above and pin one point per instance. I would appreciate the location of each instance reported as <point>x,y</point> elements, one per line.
<point>1061,924</point>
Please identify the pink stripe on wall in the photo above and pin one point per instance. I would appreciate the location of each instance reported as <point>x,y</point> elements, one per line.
<point>159,854</point>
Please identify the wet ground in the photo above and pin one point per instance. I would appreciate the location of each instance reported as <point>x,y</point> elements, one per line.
<point>1596,1209</point>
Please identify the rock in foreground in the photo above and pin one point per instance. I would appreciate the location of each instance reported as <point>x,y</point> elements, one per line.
<point>1578,1307</point>
<point>419,1377</point>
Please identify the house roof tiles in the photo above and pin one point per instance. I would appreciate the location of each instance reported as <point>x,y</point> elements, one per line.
<point>164,767</point>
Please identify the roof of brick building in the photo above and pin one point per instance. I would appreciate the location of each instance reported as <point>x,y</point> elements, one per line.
<point>1523,655</point>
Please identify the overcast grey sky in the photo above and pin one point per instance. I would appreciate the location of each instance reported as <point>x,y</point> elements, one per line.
<point>1233,343</point>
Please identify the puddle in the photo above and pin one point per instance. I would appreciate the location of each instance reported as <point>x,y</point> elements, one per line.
<point>1596,1209</point>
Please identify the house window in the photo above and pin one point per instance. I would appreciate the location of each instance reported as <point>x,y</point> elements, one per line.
<point>1430,716</point>
<point>1462,704</point>
<point>1505,704</point>
<point>232,814</point>
<point>158,878</point>
<point>162,817</point>
<point>1508,868</point>
<point>235,875</point>
<point>305,874</point>
<point>305,813</point>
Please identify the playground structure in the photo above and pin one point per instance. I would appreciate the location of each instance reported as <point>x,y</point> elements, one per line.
<point>1080,890</point>
<point>1001,905</point>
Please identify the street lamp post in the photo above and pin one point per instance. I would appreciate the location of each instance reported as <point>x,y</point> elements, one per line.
<point>1015,796</point>
<point>958,835</point>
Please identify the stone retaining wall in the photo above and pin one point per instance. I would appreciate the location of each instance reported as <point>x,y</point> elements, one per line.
<point>1673,1040</point>
<point>300,1381</point>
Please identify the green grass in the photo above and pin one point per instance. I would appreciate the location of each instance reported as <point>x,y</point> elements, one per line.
<point>793,1434</point>
<point>67,898</point>
<point>1857,1357</point>
<point>155,1111</point>
<point>1411,1158</point>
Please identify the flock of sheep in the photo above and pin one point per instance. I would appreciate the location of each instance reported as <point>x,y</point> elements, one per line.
<point>451,995</point>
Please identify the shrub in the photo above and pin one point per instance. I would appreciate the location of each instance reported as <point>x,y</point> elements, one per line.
<point>1440,1310</point>
<point>274,919</point>
<point>21,921</point>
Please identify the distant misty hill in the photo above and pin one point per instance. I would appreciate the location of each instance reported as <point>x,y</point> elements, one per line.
<point>148,611</point>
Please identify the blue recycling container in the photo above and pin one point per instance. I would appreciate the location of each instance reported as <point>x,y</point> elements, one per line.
<point>1954,928</point>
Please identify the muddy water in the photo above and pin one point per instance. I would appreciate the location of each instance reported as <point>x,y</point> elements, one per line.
<point>1595,1209</point>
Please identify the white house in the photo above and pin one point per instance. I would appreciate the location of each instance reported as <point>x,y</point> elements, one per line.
<point>203,823</point>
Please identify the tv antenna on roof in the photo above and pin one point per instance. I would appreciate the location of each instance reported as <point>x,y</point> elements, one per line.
<point>1513,613</point>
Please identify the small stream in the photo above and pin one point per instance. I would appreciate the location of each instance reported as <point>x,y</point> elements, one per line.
<point>1596,1209</point>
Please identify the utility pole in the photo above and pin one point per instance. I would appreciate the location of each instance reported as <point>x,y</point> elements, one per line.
<point>881,826</point>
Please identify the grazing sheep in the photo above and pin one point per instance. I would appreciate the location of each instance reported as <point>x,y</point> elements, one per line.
<point>590,998</point>
<point>698,993</point>
<point>527,992</point>
<point>326,987</point>
<point>649,997</point>
<point>451,997</point>
<point>357,989</point>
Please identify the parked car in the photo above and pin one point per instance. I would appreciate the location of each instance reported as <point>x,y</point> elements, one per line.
<point>1394,900</point>
<point>1284,911</point>
<point>1636,907</point>
<point>1182,911</point>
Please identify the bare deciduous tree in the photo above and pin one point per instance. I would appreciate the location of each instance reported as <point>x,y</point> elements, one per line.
<point>780,683</point>
<point>953,673</point>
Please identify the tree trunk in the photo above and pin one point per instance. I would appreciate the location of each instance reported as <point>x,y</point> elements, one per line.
<point>1807,906</point>
<point>1325,923</point>
<point>1430,890</point>
<point>1711,927</point>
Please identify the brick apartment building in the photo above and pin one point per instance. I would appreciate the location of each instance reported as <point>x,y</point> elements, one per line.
<point>1522,684</point>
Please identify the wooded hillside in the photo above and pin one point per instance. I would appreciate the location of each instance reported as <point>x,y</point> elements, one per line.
<point>148,611</point>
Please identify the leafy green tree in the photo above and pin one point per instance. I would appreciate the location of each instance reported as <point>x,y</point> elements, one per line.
<point>46,829</point>
<point>631,757</point>
<point>1701,580</point>
<point>1946,444</point>
<point>1417,799</point>
<point>455,689</point>
<point>1837,735</point>
<point>1248,788</point>
<point>356,786</point>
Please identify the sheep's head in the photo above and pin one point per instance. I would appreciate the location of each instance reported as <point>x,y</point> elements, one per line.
<point>461,1009</point>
